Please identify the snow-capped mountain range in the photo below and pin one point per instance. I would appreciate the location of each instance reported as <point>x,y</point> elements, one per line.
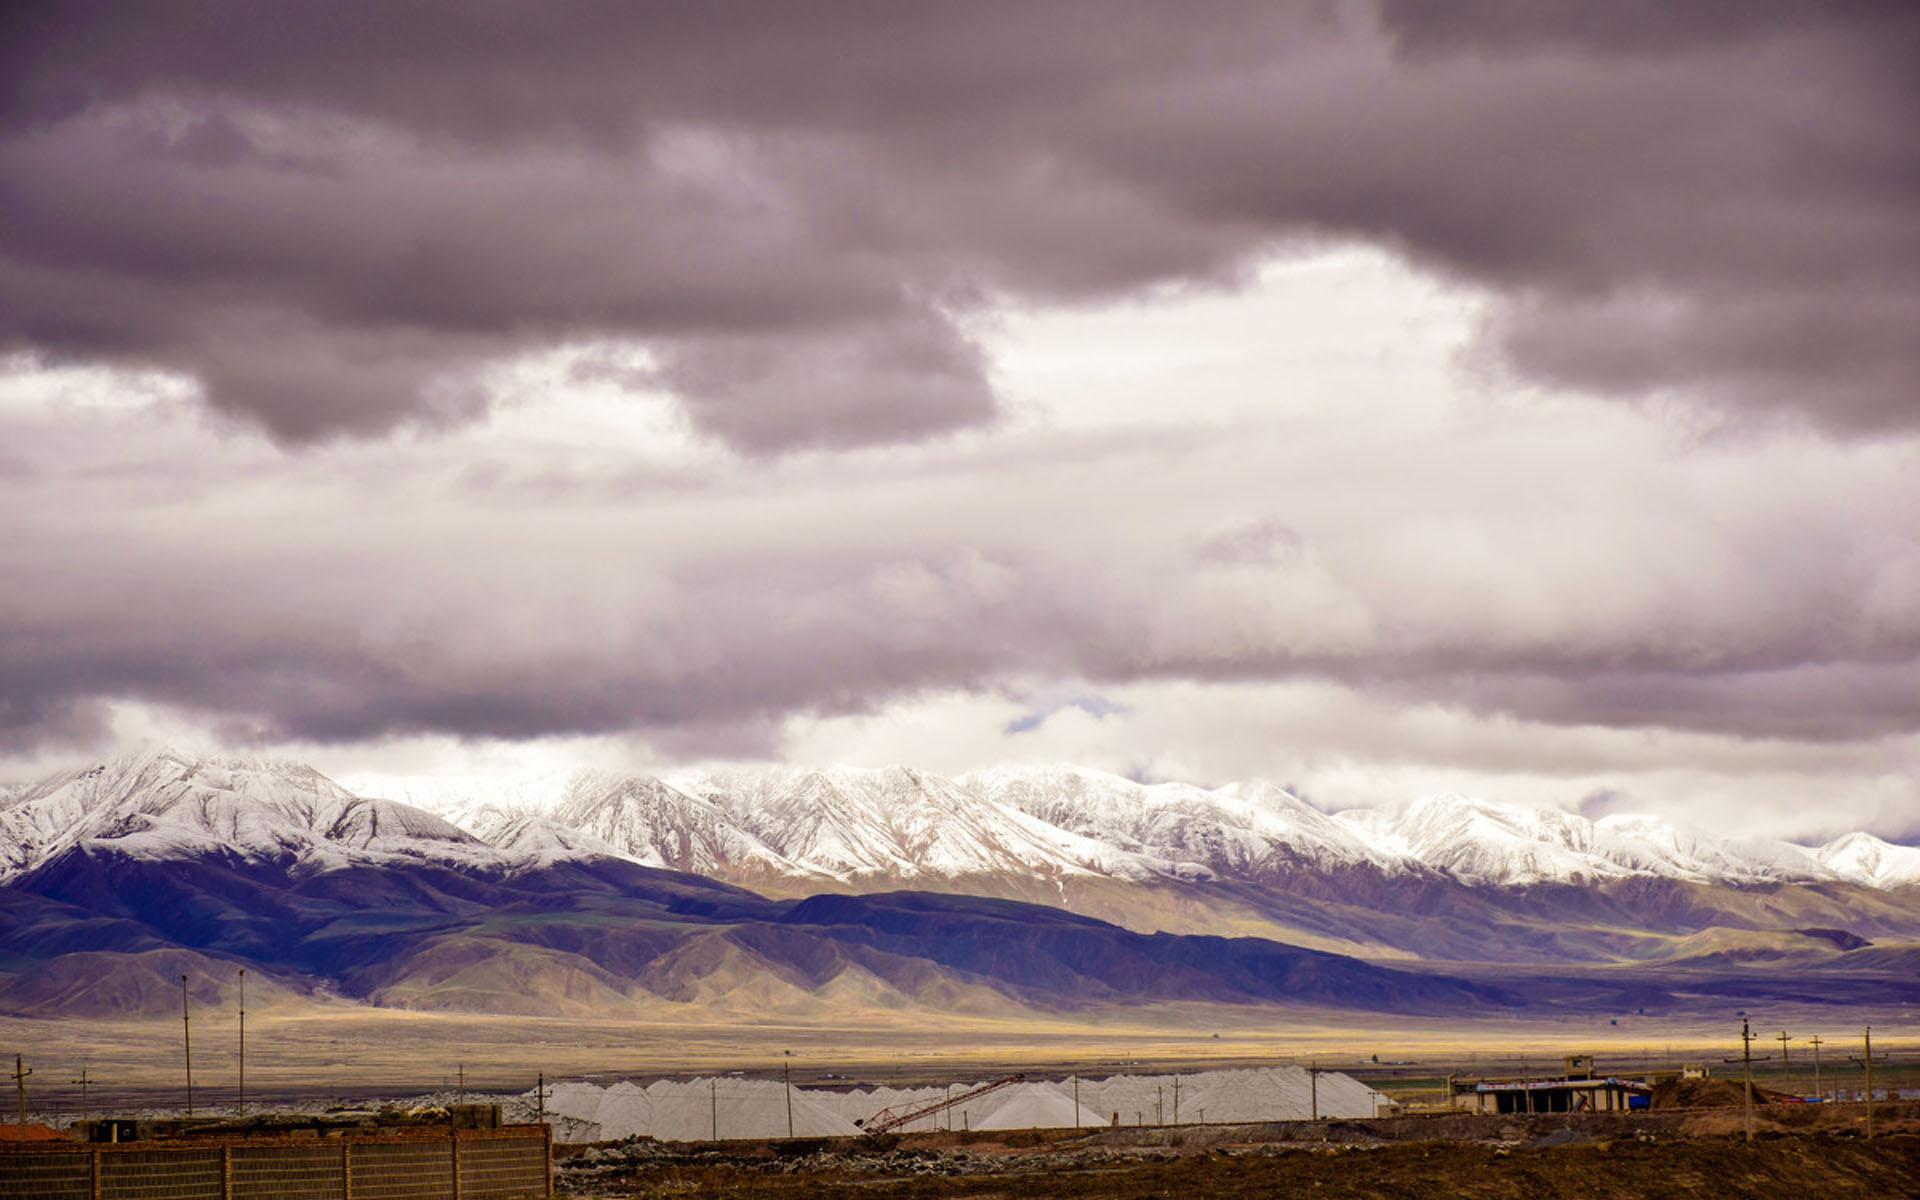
<point>854,825</point>
<point>158,803</point>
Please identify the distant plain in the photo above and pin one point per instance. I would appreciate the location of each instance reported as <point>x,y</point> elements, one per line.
<point>322,1052</point>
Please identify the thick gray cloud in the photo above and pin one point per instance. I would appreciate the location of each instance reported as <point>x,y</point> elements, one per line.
<point>781,370</point>
<point>331,216</point>
<point>354,594</point>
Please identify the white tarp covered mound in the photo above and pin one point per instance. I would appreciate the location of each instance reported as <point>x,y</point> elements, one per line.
<point>736,1107</point>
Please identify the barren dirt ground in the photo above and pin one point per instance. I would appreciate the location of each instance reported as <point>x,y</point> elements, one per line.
<point>1492,1159</point>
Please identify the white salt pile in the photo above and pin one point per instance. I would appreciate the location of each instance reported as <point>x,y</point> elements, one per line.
<point>736,1107</point>
<point>1261,1094</point>
<point>1039,1106</point>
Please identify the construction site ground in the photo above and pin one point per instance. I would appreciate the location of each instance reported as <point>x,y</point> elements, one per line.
<point>1798,1151</point>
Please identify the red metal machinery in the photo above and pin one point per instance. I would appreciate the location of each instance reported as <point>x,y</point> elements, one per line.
<point>887,1120</point>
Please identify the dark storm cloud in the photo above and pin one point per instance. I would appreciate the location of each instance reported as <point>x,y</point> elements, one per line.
<point>332,216</point>
<point>534,644</point>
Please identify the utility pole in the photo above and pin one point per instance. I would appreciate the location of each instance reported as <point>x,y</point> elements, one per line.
<point>1076,1103</point>
<point>1159,1104</point>
<point>713,1096</point>
<point>1867,1061</point>
<point>786,1075</point>
<point>83,1081</point>
<point>1746,1060</point>
<point>1176,1099</point>
<point>186,1041</point>
<point>20,1072</point>
<point>1313,1092</point>
<point>1814,1041</point>
<point>1782,1039</point>
<point>243,1041</point>
<point>460,1089</point>
<point>540,1099</point>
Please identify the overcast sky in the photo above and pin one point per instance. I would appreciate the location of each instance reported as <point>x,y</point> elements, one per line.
<point>1518,399</point>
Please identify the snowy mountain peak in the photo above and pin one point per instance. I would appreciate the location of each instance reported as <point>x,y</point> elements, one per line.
<point>162,802</point>
<point>1863,858</point>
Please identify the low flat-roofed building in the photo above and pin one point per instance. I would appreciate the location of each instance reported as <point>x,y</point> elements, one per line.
<point>1609,1094</point>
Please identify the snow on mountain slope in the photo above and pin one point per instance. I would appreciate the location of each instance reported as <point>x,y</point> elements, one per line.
<point>1863,858</point>
<point>659,825</point>
<point>1484,842</point>
<point>885,824</point>
<point>1654,846</point>
<point>1236,830</point>
<point>479,806</point>
<point>1480,841</point>
<point>158,803</point>
<point>894,821</point>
